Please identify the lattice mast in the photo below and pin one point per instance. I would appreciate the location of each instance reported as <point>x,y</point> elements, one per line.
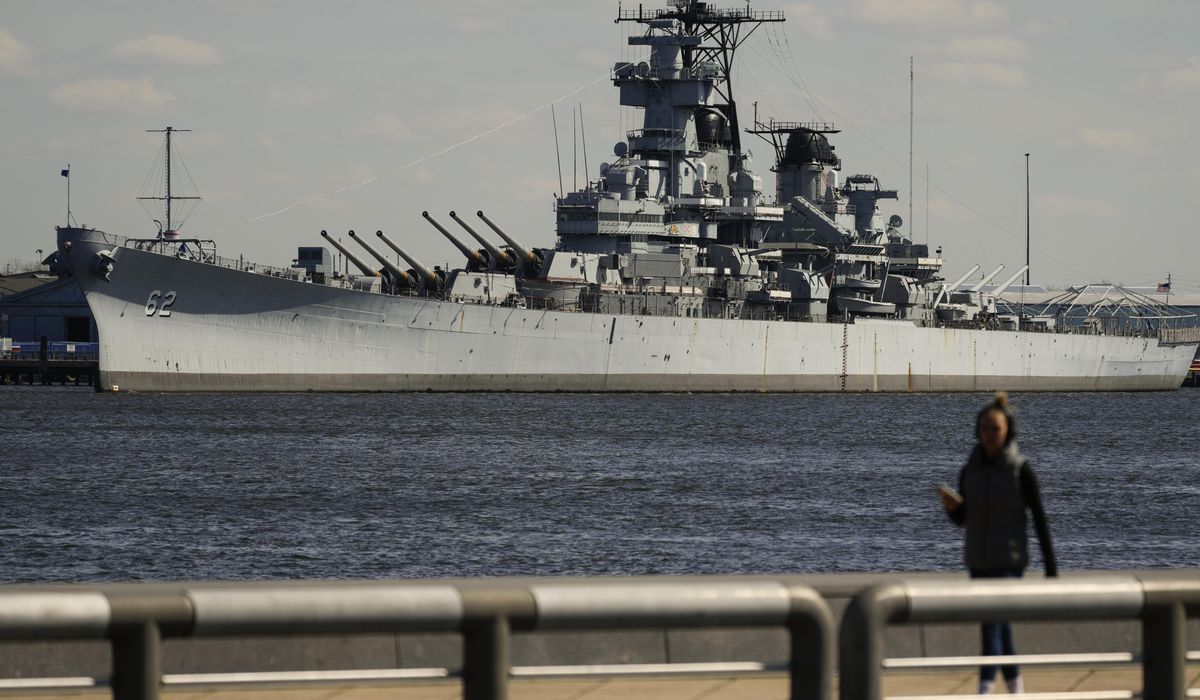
<point>719,33</point>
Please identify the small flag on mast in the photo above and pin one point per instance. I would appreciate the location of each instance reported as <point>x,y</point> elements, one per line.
<point>1164,286</point>
<point>66,172</point>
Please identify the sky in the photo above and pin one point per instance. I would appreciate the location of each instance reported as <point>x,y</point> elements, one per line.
<point>359,114</point>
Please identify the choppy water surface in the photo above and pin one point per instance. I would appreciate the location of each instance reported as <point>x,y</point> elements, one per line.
<point>157,487</point>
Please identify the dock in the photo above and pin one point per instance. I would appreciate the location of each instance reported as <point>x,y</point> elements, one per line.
<point>47,363</point>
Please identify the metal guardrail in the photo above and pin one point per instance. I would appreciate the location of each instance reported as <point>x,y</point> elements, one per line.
<point>485,616</point>
<point>1161,605</point>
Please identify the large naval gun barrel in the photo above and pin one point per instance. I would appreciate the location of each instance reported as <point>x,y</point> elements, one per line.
<point>988,278</point>
<point>523,253</point>
<point>1008,282</point>
<point>474,257</point>
<point>366,269</point>
<point>950,288</point>
<point>399,277</point>
<point>432,279</point>
<point>502,258</point>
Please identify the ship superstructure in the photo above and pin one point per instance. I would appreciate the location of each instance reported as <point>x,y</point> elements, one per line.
<point>673,270</point>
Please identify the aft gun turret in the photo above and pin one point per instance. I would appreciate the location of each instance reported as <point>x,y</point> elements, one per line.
<point>400,278</point>
<point>433,279</point>
<point>366,269</point>
<point>476,260</point>
<point>987,278</point>
<point>531,260</point>
<point>503,259</point>
<point>1008,282</point>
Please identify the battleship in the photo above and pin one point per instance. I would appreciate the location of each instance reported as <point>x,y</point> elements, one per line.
<point>672,270</point>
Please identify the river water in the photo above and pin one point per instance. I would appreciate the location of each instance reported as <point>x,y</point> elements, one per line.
<point>102,487</point>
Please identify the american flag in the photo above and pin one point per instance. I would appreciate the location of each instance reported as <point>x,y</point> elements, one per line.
<point>1164,286</point>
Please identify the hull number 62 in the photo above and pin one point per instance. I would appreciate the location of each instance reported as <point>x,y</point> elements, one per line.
<point>160,303</point>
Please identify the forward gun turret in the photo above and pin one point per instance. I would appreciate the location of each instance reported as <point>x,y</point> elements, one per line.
<point>433,279</point>
<point>400,279</point>
<point>504,260</point>
<point>476,260</point>
<point>366,269</point>
<point>532,261</point>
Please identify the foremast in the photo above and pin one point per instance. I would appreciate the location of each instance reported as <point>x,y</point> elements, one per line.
<point>708,36</point>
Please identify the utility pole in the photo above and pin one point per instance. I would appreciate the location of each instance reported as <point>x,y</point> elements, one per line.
<point>1026,219</point>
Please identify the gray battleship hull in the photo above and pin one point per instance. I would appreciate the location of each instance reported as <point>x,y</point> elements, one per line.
<point>233,330</point>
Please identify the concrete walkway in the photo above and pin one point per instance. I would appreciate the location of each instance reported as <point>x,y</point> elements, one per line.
<point>762,686</point>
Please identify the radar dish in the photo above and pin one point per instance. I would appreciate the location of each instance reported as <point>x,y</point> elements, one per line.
<point>895,221</point>
<point>604,168</point>
<point>621,149</point>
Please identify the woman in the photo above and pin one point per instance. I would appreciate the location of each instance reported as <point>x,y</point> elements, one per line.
<point>995,489</point>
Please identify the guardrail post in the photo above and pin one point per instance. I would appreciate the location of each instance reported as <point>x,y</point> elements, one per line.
<point>136,661</point>
<point>1164,652</point>
<point>489,616</point>
<point>136,629</point>
<point>486,659</point>
<point>861,642</point>
<point>810,630</point>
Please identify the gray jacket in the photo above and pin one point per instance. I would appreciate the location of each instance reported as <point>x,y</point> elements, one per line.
<point>996,495</point>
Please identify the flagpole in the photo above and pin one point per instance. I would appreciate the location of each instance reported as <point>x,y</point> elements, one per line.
<point>68,194</point>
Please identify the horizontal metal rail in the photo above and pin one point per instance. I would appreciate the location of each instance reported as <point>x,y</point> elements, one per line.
<point>1097,659</point>
<point>1162,605</point>
<point>484,615</point>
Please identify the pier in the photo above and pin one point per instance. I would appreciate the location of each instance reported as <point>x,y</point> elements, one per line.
<point>46,363</point>
<point>1110,635</point>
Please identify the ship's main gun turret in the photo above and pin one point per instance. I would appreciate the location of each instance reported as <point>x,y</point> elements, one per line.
<point>476,260</point>
<point>531,260</point>
<point>400,278</point>
<point>1008,282</point>
<point>431,278</point>
<point>504,259</point>
<point>987,278</point>
<point>366,269</point>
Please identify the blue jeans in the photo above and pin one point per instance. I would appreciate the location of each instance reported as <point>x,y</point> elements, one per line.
<point>997,636</point>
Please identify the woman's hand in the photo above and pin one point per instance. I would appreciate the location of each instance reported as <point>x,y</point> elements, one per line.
<point>951,499</point>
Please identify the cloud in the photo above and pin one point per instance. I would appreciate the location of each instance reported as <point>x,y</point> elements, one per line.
<point>964,72</point>
<point>1172,77</point>
<point>1037,26</point>
<point>15,57</point>
<point>297,96</point>
<point>168,48</point>
<point>809,19</point>
<point>1109,139</point>
<point>387,126</point>
<point>1186,78</point>
<point>111,95</point>
<point>993,48</point>
<point>278,177</point>
<point>1075,206</point>
<point>477,24</point>
<point>929,14</point>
